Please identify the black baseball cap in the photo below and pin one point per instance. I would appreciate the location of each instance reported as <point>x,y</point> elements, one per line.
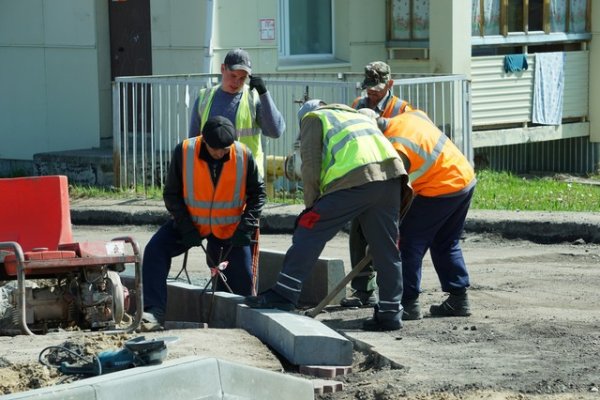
<point>218,132</point>
<point>238,59</point>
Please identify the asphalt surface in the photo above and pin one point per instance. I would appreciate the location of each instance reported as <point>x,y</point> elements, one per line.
<point>538,227</point>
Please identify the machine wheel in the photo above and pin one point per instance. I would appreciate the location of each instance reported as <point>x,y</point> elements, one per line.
<point>118,294</point>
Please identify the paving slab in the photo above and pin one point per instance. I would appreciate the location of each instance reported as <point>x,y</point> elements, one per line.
<point>184,378</point>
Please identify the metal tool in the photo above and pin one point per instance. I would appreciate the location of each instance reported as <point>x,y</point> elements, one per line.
<point>313,312</point>
<point>216,273</point>
<point>136,352</point>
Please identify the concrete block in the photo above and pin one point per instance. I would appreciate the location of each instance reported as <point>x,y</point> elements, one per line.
<point>324,276</point>
<point>59,392</point>
<point>243,382</point>
<point>184,378</point>
<point>185,303</point>
<point>179,379</point>
<point>224,313</point>
<point>299,339</point>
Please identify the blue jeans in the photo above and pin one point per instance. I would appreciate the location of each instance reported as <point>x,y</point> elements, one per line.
<point>166,244</point>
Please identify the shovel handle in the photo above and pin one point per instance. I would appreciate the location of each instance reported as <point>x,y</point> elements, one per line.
<point>341,285</point>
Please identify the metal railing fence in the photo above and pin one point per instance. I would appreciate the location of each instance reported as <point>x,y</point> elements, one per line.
<point>151,115</point>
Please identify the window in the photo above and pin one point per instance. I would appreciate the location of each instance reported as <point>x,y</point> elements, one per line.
<point>306,28</point>
<point>501,17</point>
<point>408,20</point>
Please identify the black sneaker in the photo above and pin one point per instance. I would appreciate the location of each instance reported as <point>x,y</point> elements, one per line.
<point>359,298</point>
<point>269,299</point>
<point>456,305</point>
<point>412,310</point>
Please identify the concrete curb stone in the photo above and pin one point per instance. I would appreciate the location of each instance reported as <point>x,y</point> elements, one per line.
<point>541,227</point>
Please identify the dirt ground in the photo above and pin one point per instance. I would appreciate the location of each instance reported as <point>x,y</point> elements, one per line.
<point>534,332</point>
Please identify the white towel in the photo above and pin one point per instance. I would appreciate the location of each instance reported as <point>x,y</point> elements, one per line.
<point>548,85</point>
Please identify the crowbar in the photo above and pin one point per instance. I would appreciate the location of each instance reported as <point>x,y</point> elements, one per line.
<point>313,312</point>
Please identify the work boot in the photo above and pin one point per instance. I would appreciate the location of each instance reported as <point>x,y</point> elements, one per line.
<point>412,309</point>
<point>360,298</point>
<point>456,305</point>
<point>377,324</point>
<point>269,299</point>
<point>153,319</point>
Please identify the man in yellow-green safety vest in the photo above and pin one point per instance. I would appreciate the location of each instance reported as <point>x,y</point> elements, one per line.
<point>349,170</point>
<point>249,107</point>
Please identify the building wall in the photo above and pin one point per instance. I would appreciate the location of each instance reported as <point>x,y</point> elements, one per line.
<point>594,82</point>
<point>50,74</point>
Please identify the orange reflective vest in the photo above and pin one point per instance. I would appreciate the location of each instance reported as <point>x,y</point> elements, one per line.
<point>394,106</point>
<point>437,166</point>
<point>215,210</point>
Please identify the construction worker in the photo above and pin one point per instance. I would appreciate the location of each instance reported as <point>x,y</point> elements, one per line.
<point>214,192</point>
<point>250,108</point>
<point>443,181</point>
<point>349,170</point>
<point>378,84</point>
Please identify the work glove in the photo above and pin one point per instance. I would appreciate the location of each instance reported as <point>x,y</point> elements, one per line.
<point>258,84</point>
<point>241,238</point>
<point>191,239</point>
<point>299,217</point>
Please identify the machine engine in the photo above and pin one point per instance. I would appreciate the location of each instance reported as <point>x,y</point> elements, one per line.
<point>90,298</point>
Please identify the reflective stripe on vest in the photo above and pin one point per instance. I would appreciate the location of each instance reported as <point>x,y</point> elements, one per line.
<point>247,131</point>
<point>437,167</point>
<point>355,137</point>
<point>214,210</point>
<point>394,106</point>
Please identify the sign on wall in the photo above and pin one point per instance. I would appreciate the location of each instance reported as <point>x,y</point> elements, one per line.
<point>267,29</point>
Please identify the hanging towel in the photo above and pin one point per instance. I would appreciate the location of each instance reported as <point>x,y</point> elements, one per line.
<point>548,85</point>
<point>515,62</point>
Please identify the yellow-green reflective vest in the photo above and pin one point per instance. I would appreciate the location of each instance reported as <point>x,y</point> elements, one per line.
<point>246,128</point>
<point>350,140</point>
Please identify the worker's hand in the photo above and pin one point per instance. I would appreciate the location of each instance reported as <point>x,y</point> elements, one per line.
<point>241,238</point>
<point>258,84</point>
<point>191,239</point>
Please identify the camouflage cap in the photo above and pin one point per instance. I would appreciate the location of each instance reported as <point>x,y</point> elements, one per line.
<point>377,74</point>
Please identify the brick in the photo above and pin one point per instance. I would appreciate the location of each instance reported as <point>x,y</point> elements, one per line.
<point>324,371</point>
<point>323,386</point>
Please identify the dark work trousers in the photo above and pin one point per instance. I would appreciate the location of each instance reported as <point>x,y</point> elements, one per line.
<point>377,206</point>
<point>365,280</point>
<point>166,244</point>
<point>435,224</point>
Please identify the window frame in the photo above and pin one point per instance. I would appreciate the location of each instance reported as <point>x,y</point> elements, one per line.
<point>411,42</point>
<point>545,23</point>
<point>530,38</point>
<point>284,36</point>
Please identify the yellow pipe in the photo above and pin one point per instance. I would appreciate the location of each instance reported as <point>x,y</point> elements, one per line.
<point>275,169</point>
